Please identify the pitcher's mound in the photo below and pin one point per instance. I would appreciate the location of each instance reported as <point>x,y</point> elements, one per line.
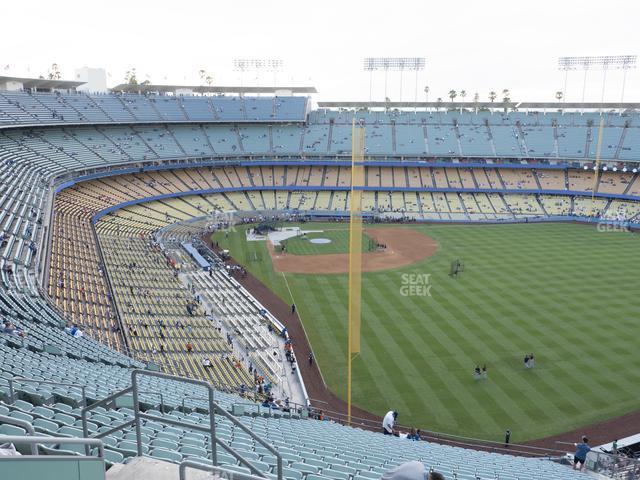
<point>402,246</point>
<point>320,241</point>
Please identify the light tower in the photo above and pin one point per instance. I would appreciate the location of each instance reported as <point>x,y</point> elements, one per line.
<point>258,65</point>
<point>602,62</point>
<point>398,64</point>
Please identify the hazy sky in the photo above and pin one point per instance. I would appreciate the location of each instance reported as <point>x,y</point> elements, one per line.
<point>472,45</point>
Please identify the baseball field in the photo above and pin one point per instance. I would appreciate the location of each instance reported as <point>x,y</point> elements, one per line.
<point>565,292</point>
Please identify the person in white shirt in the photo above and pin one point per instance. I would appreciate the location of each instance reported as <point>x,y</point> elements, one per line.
<point>388,422</point>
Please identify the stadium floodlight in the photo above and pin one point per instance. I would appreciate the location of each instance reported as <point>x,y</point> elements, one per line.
<point>397,64</point>
<point>242,65</point>
<point>600,62</point>
<point>256,64</point>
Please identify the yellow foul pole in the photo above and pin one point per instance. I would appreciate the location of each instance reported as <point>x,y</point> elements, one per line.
<point>596,173</point>
<point>355,252</point>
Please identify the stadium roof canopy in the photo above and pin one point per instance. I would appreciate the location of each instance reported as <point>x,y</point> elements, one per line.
<point>484,105</point>
<point>41,83</point>
<point>150,88</point>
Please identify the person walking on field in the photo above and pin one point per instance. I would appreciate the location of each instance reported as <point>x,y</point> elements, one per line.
<point>311,359</point>
<point>293,309</point>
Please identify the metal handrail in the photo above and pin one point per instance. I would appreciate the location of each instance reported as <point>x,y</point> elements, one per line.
<point>161,398</point>
<point>191,397</point>
<point>54,440</point>
<point>613,465</point>
<point>512,448</point>
<point>208,468</point>
<point>105,401</point>
<point>46,382</point>
<point>24,424</point>
<point>293,407</point>
<point>213,408</point>
<point>245,429</point>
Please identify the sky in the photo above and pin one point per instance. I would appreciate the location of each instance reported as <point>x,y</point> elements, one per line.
<point>470,45</point>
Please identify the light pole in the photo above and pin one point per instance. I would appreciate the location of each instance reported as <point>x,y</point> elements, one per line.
<point>399,64</point>
<point>257,65</point>
<point>628,64</point>
<point>602,62</point>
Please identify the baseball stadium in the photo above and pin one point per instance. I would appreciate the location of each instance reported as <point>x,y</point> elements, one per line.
<point>253,281</point>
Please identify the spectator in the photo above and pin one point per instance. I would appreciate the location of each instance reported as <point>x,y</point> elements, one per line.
<point>189,347</point>
<point>581,453</point>
<point>311,359</point>
<point>75,332</point>
<point>206,363</point>
<point>388,422</point>
<point>412,435</point>
<point>10,329</point>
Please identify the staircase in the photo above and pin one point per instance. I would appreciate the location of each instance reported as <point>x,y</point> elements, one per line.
<point>393,136</point>
<point>490,136</point>
<point>330,136</point>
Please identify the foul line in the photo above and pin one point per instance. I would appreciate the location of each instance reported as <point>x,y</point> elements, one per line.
<point>315,360</point>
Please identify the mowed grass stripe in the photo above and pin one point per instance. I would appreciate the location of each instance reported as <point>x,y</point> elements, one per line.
<point>560,290</point>
<point>410,371</point>
<point>512,339</point>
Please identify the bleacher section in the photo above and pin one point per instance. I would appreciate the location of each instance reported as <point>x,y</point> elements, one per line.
<point>240,315</point>
<point>162,318</point>
<point>98,145</point>
<point>55,108</point>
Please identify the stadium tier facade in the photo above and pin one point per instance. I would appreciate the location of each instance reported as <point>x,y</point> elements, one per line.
<point>88,180</point>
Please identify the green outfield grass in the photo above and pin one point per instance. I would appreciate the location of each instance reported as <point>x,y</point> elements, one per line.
<point>338,234</point>
<point>563,291</point>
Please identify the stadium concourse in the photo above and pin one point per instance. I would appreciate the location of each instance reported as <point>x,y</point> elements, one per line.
<point>89,182</point>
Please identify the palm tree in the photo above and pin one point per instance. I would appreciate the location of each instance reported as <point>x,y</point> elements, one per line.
<point>205,76</point>
<point>426,93</point>
<point>54,72</point>
<point>130,77</point>
<point>463,93</point>
<point>559,95</point>
<point>452,94</point>
<point>439,100</point>
<point>506,98</point>
<point>476,99</point>
<point>492,96</point>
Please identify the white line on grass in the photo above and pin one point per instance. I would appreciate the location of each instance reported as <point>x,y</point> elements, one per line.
<point>304,330</point>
